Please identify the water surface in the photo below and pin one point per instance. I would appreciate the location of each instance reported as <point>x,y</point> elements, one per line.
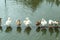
<point>35,10</point>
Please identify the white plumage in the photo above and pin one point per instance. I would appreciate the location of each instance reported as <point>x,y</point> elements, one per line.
<point>27,21</point>
<point>43,22</point>
<point>50,22</point>
<point>53,22</point>
<point>8,22</point>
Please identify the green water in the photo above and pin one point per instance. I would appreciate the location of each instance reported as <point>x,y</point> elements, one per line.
<point>35,10</point>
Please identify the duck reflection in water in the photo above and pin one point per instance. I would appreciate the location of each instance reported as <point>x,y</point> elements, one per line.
<point>19,29</point>
<point>27,30</point>
<point>8,22</point>
<point>38,29</point>
<point>51,30</point>
<point>18,23</point>
<point>1,28</point>
<point>43,31</point>
<point>0,24</point>
<point>57,31</point>
<point>8,29</point>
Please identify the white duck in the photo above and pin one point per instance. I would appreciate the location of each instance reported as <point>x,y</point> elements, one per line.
<point>27,21</point>
<point>50,22</point>
<point>53,22</point>
<point>43,22</point>
<point>8,22</point>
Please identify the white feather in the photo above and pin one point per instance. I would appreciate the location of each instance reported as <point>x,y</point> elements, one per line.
<point>8,22</point>
<point>43,22</point>
<point>50,21</point>
<point>53,22</point>
<point>27,21</point>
